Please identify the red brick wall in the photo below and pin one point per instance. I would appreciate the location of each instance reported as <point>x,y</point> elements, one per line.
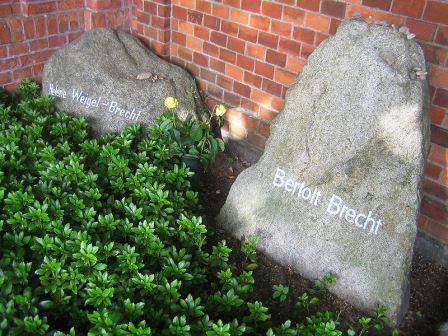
<point>245,53</point>
<point>30,31</point>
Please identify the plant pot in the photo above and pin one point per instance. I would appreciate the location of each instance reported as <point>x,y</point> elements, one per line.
<point>195,166</point>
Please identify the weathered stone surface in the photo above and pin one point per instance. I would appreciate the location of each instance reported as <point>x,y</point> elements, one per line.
<point>130,79</point>
<point>355,125</point>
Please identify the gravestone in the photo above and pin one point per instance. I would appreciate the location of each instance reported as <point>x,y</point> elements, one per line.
<point>337,188</point>
<point>111,78</point>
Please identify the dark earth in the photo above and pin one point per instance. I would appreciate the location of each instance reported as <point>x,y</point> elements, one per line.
<point>429,281</point>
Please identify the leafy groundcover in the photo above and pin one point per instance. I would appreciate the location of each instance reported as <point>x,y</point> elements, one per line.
<point>102,237</point>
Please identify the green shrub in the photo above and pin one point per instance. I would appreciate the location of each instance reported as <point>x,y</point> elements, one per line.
<point>101,237</point>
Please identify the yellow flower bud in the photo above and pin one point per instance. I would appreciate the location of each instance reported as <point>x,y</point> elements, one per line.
<point>171,102</point>
<point>220,110</point>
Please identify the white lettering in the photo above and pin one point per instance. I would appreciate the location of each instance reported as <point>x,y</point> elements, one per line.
<point>279,176</point>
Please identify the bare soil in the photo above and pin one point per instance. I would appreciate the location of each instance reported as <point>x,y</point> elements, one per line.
<point>429,281</point>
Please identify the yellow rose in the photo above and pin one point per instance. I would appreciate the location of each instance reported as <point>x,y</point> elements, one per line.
<point>171,102</point>
<point>220,110</point>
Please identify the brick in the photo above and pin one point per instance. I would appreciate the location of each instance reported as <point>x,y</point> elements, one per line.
<point>193,69</point>
<point>294,15</point>
<point>229,28</point>
<point>245,62</point>
<point>227,55</point>
<point>179,38</point>
<point>28,28</point>
<point>234,3</point>
<point>256,51</point>
<point>294,64</point>
<point>438,75</point>
<point>438,154</point>
<point>423,30</point>
<point>381,4</point>
<point>312,5</point>
<point>217,65</point>
<point>437,115</point>
<point>319,38</point>
<point>264,129</point>
<point>5,33</point>
<point>304,35</point>
<point>272,87</point>
<point>432,171</point>
<point>264,69</point>
<point>333,8</point>
<point>212,22</point>
<point>200,59</point>
<point>210,49</point>
<point>276,58</point>
<point>187,3</point>
<point>215,91</point>
<point>436,11</point>
<point>442,36</point>
<point>16,30</point>
<point>409,7</point>
<point>284,77</point>
<point>180,13</point>
<point>435,54</point>
<point>260,22</point>
<point>74,36</point>
<point>318,22</point>
<point>252,79</point>
<point>289,47</point>
<point>232,99</point>
<point>150,7</point>
<point>9,63</point>
<point>18,49</point>
<point>201,32</point>
<point>3,51</point>
<point>39,8</point>
<point>221,11</point>
<point>436,230</point>
<point>241,89</point>
<point>435,189</point>
<point>5,77</point>
<point>194,43</point>
<point>70,4</point>
<point>218,38</point>
<point>251,5</point>
<point>207,75</point>
<point>5,10</point>
<point>439,136</point>
<point>185,53</point>
<point>306,50</point>
<point>203,6</point>
<point>234,72</point>
<point>434,210</point>
<point>334,26</point>
<point>225,82</point>
<point>239,16</point>
<point>56,41</point>
<point>271,9</point>
<point>195,17</point>
<point>22,73</point>
<point>281,28</point>
<point>441,98</point>
<point>248,34</point>
<point>188,28</point>
<point>236,44</point>
<point>268,40</point>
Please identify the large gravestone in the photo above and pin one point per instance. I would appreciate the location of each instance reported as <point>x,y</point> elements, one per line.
<point>337,188</point>
<point>113,79</point>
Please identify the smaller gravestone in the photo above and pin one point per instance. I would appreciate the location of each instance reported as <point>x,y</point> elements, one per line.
<point>337,188</point>
<point>113,79</point>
